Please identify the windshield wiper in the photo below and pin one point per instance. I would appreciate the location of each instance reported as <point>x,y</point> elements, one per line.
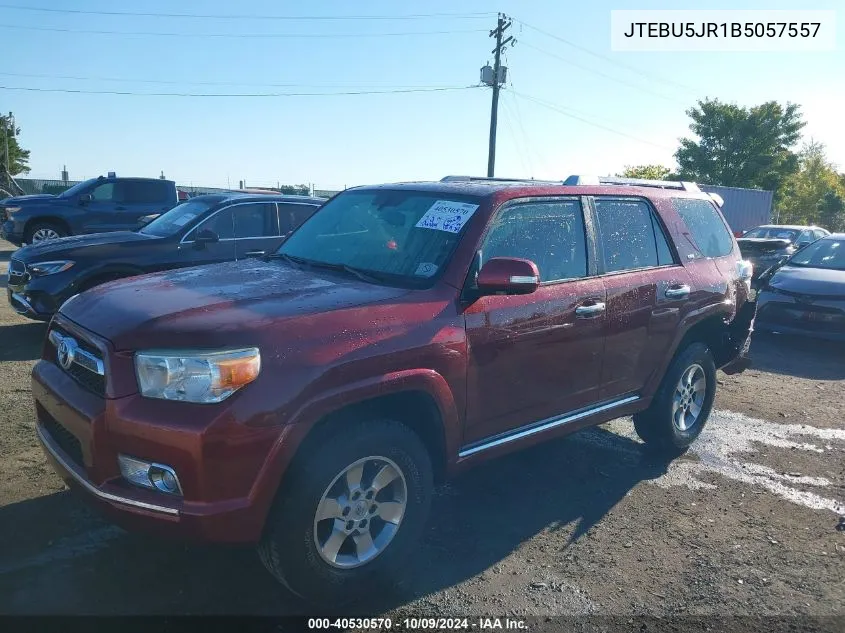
<point>367,276</point>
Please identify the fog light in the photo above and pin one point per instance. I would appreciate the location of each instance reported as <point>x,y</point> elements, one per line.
<point>149,475</point>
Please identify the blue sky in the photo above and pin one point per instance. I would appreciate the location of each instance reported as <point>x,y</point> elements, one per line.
<point>336,141</point>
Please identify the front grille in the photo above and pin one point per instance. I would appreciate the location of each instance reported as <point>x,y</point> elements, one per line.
<point>90,380</point>
<point>17,272</point>
<point>63,438</point>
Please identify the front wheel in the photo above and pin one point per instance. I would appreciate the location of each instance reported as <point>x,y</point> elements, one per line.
<point>682,404</point>
<point>43,231</point>
<point>350,512</point>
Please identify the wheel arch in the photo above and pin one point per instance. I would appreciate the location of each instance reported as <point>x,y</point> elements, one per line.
<point>46,219</point>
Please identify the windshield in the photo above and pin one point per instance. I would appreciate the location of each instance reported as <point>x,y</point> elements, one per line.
<point>171,222</point>
<point>826,253</point>
<point>407,236</point>
<point>77,188</point>
<point>773,233</point>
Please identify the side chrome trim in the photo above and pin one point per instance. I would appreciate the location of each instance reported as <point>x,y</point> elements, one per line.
<point>82,481</point>
<point>543,425</point>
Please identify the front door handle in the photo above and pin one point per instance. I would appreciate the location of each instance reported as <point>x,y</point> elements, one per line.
<point>254,253</point>
<point>677,292</point>
<point>590,310</point>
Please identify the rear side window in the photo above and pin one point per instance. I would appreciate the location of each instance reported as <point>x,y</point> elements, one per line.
<point>629,235</point>
<point>292,215</point>
<point>550,234</point>
<point>149,191</point>
<point>706,226</point>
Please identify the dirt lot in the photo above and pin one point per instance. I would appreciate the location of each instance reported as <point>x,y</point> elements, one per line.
<point>748,523</point>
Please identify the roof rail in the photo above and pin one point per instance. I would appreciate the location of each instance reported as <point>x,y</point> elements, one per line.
<point>491,179</point>
<point>632,182</point>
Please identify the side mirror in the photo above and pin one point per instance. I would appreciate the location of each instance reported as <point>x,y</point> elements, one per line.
<point>85,198</point>
<point>206,236</point>
<point>802,244</point>
<point>508,276</point>
<point>144,221</point>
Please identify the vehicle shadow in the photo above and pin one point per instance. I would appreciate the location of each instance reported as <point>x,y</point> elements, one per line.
<point>797,356</point>
<point>22,341</point>
<point>6,250</point>
<point>74,563</point>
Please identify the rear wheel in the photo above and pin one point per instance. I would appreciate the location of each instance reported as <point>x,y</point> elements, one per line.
<point>43,231</point>
<point>683,402</point>
<point>350,512</point>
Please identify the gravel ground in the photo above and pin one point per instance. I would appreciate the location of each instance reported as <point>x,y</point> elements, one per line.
<point>749,522</point>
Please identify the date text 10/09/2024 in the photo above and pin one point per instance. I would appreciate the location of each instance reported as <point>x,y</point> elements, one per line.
<point>419,624</point>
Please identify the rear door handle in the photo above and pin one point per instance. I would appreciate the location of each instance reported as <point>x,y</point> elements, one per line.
<point>677,292</point>
<point>590,310</point>
<point>254,253</point>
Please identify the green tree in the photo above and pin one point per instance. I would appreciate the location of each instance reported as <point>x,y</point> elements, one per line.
<point>18,157</point>
<point>649,172</point>
<point>811,195</point>
<point>831,210</point>
<point>740,147</point>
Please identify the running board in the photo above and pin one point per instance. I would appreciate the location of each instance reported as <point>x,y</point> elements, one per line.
<point>539,427</point>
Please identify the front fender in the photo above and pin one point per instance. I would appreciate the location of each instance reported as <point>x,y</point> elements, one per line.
<point>306,417</point>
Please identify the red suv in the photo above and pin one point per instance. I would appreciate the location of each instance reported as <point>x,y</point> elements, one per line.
<point>308,401</point>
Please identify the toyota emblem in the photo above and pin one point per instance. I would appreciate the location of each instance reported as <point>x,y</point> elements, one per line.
<point>67,352</point>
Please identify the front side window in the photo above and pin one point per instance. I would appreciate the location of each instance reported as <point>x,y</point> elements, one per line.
<point>550,234</point>
<point>706,226</point>
<point>104,193</point>
<point>629,235</point>
<point>222,224</point>
<point>176,219</point>
<point>408,236</point>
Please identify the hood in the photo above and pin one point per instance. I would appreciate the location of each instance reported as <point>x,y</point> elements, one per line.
<point>819,282</point>
<point>761,245</point>
<point>215,306</point>
<point>67,245</point>
<point>24,199</point>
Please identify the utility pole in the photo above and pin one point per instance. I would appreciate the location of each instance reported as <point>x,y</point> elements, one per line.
<point>495,79</point>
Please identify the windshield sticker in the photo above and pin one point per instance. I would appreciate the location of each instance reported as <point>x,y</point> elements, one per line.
<point>447,216</point>
<point>426,269</point>
<point>182,221</point>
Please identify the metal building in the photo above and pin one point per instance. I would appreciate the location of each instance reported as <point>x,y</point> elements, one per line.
<point>744,208</point>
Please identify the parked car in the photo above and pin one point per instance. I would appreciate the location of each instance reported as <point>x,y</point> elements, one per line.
<point>769,245</point>
<point>93,206</point>
<point>204,230</point>
<point>806,295</point>
<point>308,400</point>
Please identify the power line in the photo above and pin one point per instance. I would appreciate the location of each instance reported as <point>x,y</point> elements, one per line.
<point>584,49</point>
<point>212,83</point>
<point>516,143</point>
<point>218,16</point>
<point>237,35</point>
<point>563,111</point>
<point>600,73</point>
<point>259,94</point>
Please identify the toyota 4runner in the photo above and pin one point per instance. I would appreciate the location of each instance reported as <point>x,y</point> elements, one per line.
<point>309,400</point>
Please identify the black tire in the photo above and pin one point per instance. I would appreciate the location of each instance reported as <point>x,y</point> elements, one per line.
<point>288,548</point>
<point>656,426</point>
<point>34,228</point>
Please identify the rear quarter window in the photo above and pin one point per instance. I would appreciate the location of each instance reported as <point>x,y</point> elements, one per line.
<point>706,226</point>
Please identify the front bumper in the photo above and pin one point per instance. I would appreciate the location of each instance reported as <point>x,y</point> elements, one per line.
<point>223,470</point>
<point>819,318</point>
<point>40,298</point>
<point>8,233</point>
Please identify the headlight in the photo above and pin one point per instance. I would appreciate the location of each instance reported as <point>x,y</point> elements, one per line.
<point>48,268</point>
<point>12,209</point>
<point>192,376</point>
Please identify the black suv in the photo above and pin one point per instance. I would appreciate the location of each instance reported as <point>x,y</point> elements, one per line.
<point>204,230</point>
<point>97,205</point>
<point>772,244</point>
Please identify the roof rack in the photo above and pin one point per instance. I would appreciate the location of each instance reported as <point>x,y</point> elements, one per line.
<point>491,179</point>
<point>632,182</point>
